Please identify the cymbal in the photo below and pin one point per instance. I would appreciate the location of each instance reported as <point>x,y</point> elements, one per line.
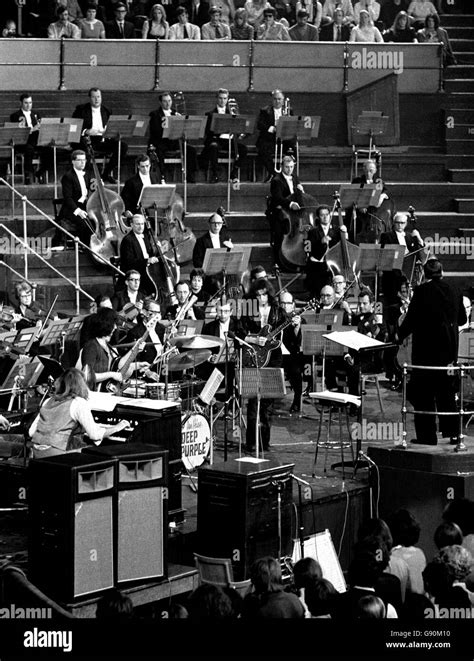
<point>187,360</point>
<point>197,342</point>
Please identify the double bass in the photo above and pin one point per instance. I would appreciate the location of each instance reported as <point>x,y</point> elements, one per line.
<point>292,253</point>
<point>105,207</point>
<point>342,258</point>
<point>164,274</point>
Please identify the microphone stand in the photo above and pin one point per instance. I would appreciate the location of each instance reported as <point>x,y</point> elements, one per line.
<point>226,404</point>
<point>299,482</point>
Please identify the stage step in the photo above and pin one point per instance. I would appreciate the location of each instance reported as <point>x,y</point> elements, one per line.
<point>453,85</point>
<point>461,31</point>
<point>462,45</point>
<point>455,19</point>
<point>458,71</point>
<point>465,205</point>
<point>463,176</point>
<point>465,57</point>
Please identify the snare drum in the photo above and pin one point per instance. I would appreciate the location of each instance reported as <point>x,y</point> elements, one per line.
<point>157,391</point>
<point>195,439</point>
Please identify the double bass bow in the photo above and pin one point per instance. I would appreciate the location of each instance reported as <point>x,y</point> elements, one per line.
<point>105,207</point>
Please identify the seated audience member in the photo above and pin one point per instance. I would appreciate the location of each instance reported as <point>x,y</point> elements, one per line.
<point>319,598</point>
<point>269,599</point>
<point>209,602</point>
<point>90,26</point>
<point>461,511</point>
<point>63,28</point>
<point>460,561</point>
<point>370,607</point>
<point>303,30</point>
<point>439,577</point>
<point>156,27</point>
<point>405,530</point>
<point>119,28</point>
<point>114,605</point>
<point>254,9</point>
<point>183,29</point>
<point>336,29</point>
<point>216,29</point>
<point>271,29</point>
<point>432,33</point>
<point>241,28</point>
<point>447,534</point>
<point>314,9</point>
<point>365,31</point>
<point>9,31</point>
<point>330,7</point>
<point>400,32</point>
<point>372,6</point>
<point>389,11</point>
<point>418,10</point>
<point>65,417</point>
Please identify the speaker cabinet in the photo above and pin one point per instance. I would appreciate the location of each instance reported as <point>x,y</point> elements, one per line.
<point>140,509</point>
<point>71,541</point>
<point>245,512</point>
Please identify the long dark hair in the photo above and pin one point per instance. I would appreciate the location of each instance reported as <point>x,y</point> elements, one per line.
<point>71,384</point>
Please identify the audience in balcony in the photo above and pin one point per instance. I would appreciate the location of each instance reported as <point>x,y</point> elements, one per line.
<point>254,10</point>
<point>90,26</point>
<point>63,26</point>
<point>400,32</point>
<point>119,28</point>
<point>433,33</point>
<point>419,10</point>
<point>365,31</point>
<point>371,6</point>
<point>227,8</point>
<point>330,7</point>
<point>241,28</point>
<point>314,9</point>
<point>183,29</point>
<point>302,30</point>
<point>9,31</point>
<point>156,27</point>
<point>271,29</point>
<point>216,29</point>
<point>336,30</point>
<point>389,11</point>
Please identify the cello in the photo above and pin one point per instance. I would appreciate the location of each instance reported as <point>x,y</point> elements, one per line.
<point>164,274</point>
<point>292,253</point>
<point>105,207</point>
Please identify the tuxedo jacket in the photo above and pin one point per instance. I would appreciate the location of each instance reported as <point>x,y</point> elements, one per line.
<point>156,126</point>
<point>19,115</point>
<point>327,32</point>
<point>84,112</point>
<point>280,195</point>
<point>208,135</point>
<point>212,328</point>
<point>71,192</point>
<point>202,244</point>
<point>318,248</point>
<point>132,189</point>
<point>131,255</point>
<point>121,298</point>
<point>392,237</point>
<point>266,119</point>
<point>292,340</point>
<point>112,30</point>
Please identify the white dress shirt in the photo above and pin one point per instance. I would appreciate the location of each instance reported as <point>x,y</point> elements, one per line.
<point>97,120</point>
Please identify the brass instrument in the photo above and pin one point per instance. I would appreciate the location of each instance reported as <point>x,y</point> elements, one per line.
<point>285,112</point>
<point>179,103</point>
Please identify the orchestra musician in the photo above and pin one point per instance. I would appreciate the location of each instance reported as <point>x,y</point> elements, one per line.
<point>132,188</point>
<point>433,317</point>
<point>28,312</point>
<point>293,359</point>
<point>27,117</point>
<point>213,142</point>
<point>65,417</point>
<point>395,314</point>
<point>100,301</point>
<point>136,251</point>
<point>214,238</point>
<point>149,319</point>
<point>164,145</point>
<point>95,117</point>
<point>266,125</point>
<point>269,315</point>
<point>283,188</point>
<point>196,279</point>
<point>76,188</point>
<point>321,237</point>
<point>369,222</point>
<point>130,295</point>
<point>186,307</point>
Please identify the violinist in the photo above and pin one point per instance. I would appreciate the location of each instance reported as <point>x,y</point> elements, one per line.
<point>29,312</point>
<point>186,307</point>
<point>293,359</point>
<point>130,298</point>
<point>266,125</point>
<point>321,237</point>
<point>27,117</point>
<point>132,188</point>
<point>76,187</point>
<point>162,146</point>
<point>283,198</point>
<point>95,117</point>
<point>213,142</point>
<point>137,252</point>
<point>370,222</point>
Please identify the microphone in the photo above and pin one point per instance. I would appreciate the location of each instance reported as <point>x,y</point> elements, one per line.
<point>233,336</point>
<point>364,456</point>
<point>298,479</point>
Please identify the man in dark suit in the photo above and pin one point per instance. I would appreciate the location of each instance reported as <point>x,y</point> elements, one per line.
<point>137,252</point>
<point>27,117</point>
<point>335,30</point>
<point>321,238</point>
<point>368,223</point>
<point>266,125</point>
<point>214,238</point>
<point>184,296</point>
<point>119,28</point>
<point>433,317</point>
<point>392,280</point>
<point>164,145</point>
<point>293,360</point>
<point>75,185</point>
<point>215,142</point>
<point>95,117</point>
<point>284,189</point>
<point>131,294</point>
<point>132,188</point>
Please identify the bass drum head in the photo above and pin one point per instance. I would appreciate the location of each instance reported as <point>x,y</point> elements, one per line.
<point>195,439</point>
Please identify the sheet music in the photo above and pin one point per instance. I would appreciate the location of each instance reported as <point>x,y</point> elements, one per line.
<point>211,386</point>
<point>102,401</point>
<point>320,547</point>
<point>342,397</point>
<point>353,340</point>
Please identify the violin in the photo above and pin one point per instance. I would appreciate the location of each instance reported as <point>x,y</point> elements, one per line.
<point>106,208</point>
<point>342,258</point>
<point>293,254</point>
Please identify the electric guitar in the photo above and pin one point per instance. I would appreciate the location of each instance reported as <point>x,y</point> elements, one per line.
<point>117,387</point>
<point>260,355</point>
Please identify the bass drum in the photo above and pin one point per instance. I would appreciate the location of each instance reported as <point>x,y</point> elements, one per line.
<point>195,439</point>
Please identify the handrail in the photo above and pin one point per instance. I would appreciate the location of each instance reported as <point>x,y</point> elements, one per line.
<point>10,268</point>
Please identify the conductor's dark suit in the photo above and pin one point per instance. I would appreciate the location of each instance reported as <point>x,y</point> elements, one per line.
<point>266,141</point>
<point>434,315</point>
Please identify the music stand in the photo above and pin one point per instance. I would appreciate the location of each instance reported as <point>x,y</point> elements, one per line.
<point>358,196</point>
<point>265,383</point>
<point>53,134</point>
<point>207,395</point>
<point>375,259</point>
<point>411,260</point>
<point>302,128</point>
<point>313,343</point>
<point>26,337</point>
<point>227,262</point>
<point>55,330</point>
<point>120,127</point>
<point>184,128</point>
<point>52,368</point>
<point>10,136</point>
<point>156,196</point>
<point>232,126</point>
<point>371,122</point>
